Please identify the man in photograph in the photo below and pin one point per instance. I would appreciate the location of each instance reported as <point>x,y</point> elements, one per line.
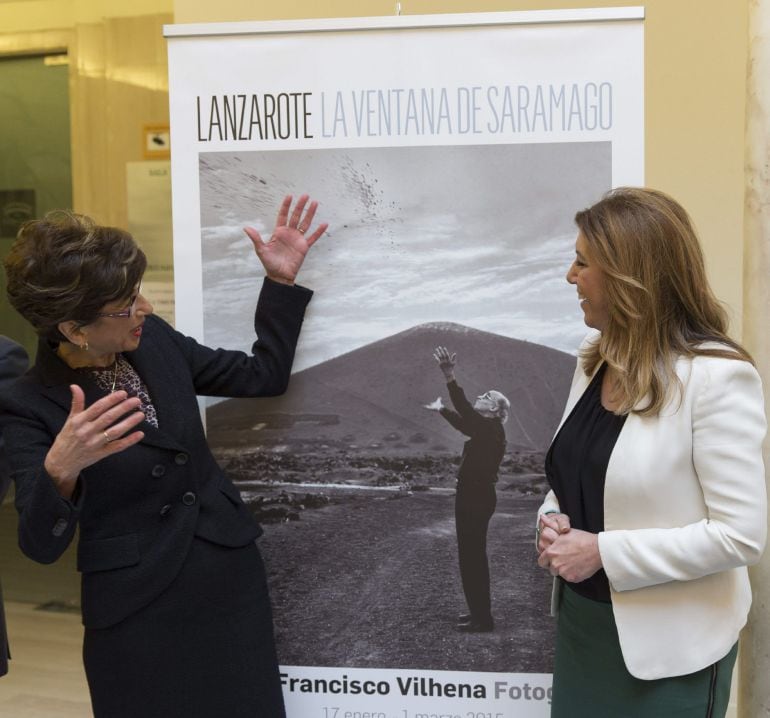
<point>476,498</point>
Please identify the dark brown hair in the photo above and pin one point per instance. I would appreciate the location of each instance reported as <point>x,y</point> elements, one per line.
<point>65,267</point>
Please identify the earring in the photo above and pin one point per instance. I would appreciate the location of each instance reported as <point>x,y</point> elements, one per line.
<point>84,346</point>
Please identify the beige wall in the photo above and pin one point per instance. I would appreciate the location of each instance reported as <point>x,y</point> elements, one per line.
<point>118,83</point>
<point>25,15</point>
<point>695,91</point>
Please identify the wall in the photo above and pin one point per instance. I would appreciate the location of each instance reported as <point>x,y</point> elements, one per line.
<point>20,16</point>
<point>118,84</point>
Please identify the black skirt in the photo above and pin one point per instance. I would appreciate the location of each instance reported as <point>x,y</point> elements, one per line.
<point>203,649</point>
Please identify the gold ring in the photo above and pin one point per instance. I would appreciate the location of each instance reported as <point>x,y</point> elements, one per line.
<point>107,436</point>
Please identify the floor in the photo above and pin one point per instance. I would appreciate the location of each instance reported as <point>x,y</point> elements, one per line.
<point>46,678</point>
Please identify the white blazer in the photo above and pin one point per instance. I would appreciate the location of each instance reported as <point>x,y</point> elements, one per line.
<point>685,511</point>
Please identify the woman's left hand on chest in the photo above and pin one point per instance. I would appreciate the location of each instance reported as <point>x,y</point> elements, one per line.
<point>574,556</point>
<point>91,434</point>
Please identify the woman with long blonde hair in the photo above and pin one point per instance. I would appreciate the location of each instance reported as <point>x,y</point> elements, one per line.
<point>657,500</point>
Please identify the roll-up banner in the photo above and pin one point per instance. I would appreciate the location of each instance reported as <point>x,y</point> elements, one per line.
<point>449,154</point>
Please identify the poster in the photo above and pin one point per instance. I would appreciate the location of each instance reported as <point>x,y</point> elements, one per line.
<point>449,154</point>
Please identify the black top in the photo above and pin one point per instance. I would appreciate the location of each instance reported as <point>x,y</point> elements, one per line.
<point>576,467</point>
<point>485,449</point>
<point>122,376</point>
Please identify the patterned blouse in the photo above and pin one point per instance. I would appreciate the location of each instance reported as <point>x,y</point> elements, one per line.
<point>121,375</point>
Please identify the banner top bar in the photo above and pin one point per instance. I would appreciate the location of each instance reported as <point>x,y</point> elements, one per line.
<point>402,22</point>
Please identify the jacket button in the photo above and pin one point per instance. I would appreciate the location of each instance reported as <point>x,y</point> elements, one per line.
<point>59,527</point>
<point>189,498</point>
<point>165,509</point>
<point>180,459</point>
<point>158,470</point>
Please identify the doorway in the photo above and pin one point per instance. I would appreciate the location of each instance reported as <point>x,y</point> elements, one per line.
<point>35,177</point>
<point>35,157</point>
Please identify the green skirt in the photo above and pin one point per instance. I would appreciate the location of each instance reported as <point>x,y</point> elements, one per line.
<point>591,680</point>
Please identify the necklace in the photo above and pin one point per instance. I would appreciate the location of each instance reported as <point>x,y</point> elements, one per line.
<point>106,377</point>
<point>114,374</point>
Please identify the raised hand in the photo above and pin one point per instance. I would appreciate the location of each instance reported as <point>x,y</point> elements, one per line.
<point>91,434</point>
<point>446,362</point>
<point>282,255</point>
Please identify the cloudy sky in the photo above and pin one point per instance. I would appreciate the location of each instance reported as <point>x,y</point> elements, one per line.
<point>477,235</point>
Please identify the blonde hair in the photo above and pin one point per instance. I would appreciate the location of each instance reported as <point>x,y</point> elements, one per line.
<point>659,301</point>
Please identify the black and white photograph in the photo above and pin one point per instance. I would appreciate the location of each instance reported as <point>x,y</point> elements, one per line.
<point>436,258</point>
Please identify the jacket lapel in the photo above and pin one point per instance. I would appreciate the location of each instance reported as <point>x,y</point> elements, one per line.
<point>162,385</point>
<point>56,377</point>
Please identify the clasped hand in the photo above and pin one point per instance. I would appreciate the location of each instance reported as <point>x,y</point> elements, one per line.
<point>569,553</point>
<point>282,255</point>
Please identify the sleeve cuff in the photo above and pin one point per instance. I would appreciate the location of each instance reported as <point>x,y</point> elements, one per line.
<point>287,289</point>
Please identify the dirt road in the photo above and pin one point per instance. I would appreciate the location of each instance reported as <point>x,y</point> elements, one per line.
<point>373,581</point>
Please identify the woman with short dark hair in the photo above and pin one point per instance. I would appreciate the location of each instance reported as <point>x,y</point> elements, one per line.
<point>104,434</point>
<point>658,498</point>
<point>67,267</point>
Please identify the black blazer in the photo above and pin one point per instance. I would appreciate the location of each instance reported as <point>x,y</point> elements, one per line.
<point>13,363</point>
<point>138,510</point>
<point>484,450</point>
